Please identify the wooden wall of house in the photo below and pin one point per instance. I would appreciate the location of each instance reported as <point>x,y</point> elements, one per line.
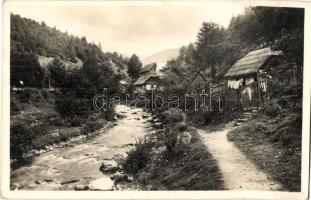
<point>230,98</point>
<point>250,96</point>
<point>153,81</point>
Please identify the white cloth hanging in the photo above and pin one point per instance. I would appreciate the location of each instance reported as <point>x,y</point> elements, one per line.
<point>234,84</point>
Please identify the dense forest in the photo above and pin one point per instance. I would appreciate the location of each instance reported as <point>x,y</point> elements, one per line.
<point>59,98</point>
<point>30,39</point>
<point>217,48</point>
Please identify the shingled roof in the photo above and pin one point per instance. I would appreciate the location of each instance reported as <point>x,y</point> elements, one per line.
<point>252,62</point>
<point>148,68</point>
<point>142,80</point>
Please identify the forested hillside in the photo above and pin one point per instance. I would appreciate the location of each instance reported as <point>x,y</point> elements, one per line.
<point>217,48</point>
<point>40,58</point>
<point>30,39</point>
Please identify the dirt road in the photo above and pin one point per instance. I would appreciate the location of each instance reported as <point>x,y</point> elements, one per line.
<point>239,173</point>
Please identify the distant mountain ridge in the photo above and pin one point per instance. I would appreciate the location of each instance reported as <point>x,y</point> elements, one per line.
<point>161,57</point>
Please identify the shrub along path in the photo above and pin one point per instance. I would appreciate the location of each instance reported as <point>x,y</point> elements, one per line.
<point>239,173</point>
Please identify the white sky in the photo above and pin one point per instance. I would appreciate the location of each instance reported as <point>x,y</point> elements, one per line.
<point>143,30</point>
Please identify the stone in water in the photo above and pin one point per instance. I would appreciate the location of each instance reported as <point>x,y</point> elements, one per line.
<point>104,184</point>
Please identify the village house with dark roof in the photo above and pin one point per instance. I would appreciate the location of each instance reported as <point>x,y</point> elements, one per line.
<point>148,79</point>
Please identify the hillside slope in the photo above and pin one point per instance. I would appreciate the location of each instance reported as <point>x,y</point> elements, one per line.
<point>161,57</point>
<point>34,45</point>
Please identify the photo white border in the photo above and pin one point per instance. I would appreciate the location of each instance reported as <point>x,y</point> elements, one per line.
<point>5,114</point>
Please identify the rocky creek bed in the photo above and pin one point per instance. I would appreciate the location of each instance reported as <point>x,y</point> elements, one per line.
<point>91,165</point>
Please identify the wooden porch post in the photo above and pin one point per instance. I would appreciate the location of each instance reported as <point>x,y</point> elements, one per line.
<point>210,96</point>
<point>259,92</point>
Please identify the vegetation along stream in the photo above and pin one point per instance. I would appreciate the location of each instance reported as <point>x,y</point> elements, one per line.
<point>78,167</point>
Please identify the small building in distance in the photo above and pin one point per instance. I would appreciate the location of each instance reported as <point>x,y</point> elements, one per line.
<point>123,84</point>
<point>148,79</point>
<point>148,69</point>
<point>197,82</point>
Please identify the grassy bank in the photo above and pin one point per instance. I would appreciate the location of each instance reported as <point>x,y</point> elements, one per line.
<point>274,145</point>
<point>36,126</point>
<point>173,159</point>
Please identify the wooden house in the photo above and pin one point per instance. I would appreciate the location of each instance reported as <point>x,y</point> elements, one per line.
<point>148,69</point>
<point>249,75</point>
<point>123,84</point>
<point>148,79</point>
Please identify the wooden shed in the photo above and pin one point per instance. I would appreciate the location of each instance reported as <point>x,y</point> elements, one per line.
<point>247,75</point>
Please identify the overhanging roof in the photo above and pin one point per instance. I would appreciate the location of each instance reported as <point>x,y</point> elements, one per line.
<point>251,63</point>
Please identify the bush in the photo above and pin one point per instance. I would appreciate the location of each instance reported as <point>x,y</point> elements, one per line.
<point>29,95</point>
<point>172,115</point>
<point>69,106</point>
<point>172,141</point>
<point>20,141</point>
<point>288,133</point>
<point>75,121</point>
<point>16,106</point>
<point>91,127</point>
<point>200,118</point>
<point>58,121</point>
<point>138,157</point>
<point>254,127</point>
<point>195,170</point>
<point>109,114</point>
<point>271,108</point>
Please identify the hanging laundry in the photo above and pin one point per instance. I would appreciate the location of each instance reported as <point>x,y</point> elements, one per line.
<point>234,84</point>
<point>249,80</point>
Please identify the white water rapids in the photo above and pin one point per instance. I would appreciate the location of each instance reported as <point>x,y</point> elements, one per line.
<point>65,168</point>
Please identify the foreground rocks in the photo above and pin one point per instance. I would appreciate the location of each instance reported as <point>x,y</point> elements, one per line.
<point>109,166</point>
<point>119,178</point>
<point>103,184</point>
<point>81,187</point>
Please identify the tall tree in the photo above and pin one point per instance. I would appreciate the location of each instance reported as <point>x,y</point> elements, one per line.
<point>134,66</point>
<point>26,69</point>
<point>210,49</point>
<point>280,28</point>
<point>57,73</point>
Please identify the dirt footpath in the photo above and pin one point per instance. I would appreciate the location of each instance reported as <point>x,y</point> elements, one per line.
<point>239,173</point>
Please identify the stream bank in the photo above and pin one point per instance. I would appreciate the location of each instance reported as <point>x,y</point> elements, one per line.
<point>78,167</point>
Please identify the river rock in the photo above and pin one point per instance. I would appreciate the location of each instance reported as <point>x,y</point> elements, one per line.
<point>104,184</point>
<point>130,178</point>
<point>109,166</point>
<point>55,134</point>
<point>15,186</point>
<point>157,125</point>
<point>238,124</point>
<point>39,182</point>
<point>118,177</point>
<point>70,181</point>
<point>48,180</point>
<point>81,187</point>
<point>144,116</point>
